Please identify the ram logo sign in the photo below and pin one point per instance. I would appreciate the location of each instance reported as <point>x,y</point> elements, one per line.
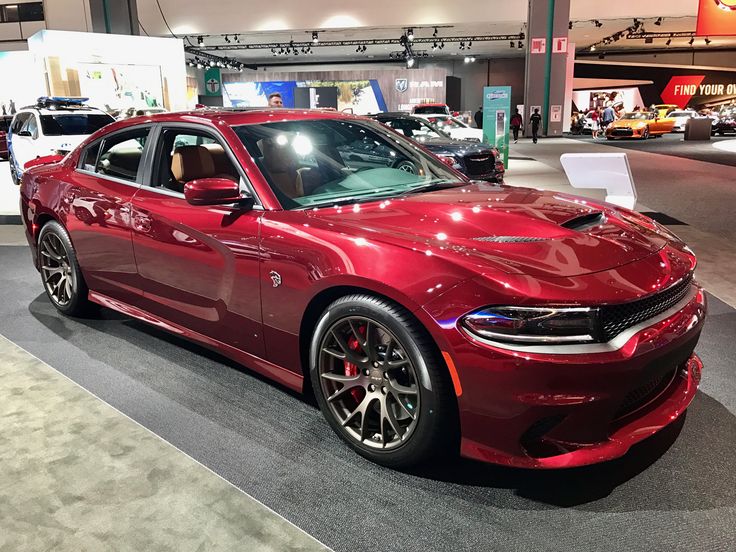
<point>402,85</point>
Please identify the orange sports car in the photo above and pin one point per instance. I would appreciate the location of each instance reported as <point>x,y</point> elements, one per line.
<point>639,124</point>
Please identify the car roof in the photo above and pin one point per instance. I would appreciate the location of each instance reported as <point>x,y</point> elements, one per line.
<point>431,104</point>
<point>60,111</point>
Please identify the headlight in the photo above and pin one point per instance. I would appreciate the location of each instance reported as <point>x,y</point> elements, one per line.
<point>450,160</point>
<point>533,325</point>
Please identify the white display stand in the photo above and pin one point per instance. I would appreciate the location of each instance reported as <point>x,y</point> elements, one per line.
<point>608,171</point>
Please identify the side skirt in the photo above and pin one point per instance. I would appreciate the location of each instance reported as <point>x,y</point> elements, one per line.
<point>272,371</point>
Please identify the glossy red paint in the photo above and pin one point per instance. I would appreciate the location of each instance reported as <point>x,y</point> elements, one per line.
<point>206,273</point>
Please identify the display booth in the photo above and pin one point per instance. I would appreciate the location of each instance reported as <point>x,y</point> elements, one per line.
<point>116,72</point>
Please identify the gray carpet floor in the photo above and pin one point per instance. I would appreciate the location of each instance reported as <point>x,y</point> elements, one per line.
<point>675,491</point>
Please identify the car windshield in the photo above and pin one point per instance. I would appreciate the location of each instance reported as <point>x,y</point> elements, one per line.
<point>320,162</point>
<point>446,122</point>
<point>427,109</point>
<point>640,115</point>
<point>74,124</point>
<point>415,128</point>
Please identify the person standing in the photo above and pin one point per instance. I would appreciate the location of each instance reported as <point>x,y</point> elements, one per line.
<point>609,115</point>
<point>516,123</point>
<point>594,123</point>
<point>275,100</point>
<point>535,120</point>
<point>479,117</point>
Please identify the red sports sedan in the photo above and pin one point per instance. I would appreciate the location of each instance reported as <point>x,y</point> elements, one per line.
<point>428,313</point>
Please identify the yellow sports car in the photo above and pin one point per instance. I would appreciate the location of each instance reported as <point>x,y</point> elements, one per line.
<point>639,124</point>
<point>665,109</point>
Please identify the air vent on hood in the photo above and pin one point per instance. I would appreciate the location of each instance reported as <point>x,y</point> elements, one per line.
<point>508,239</point>
<point>584,222</point>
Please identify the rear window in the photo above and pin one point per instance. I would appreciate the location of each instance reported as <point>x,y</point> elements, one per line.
<point>71,124</point>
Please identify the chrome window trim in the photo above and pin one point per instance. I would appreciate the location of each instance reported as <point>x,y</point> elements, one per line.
<point>109,178</point>
<point>585,349</point>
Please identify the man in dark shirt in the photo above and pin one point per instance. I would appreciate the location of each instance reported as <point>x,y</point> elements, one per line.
<point>609,115</point>
<point>535,120</point>
<point>479,118</point>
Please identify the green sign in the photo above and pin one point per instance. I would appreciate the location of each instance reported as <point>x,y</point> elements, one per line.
<point>496,114</point>
<point>213,82</point>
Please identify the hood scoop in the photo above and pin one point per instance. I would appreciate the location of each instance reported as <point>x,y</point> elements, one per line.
<point>509,239</point>
<point>585,222</point>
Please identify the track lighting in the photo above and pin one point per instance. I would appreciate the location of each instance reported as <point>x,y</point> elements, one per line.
<point>434,34</point>
<point>599,24</point>
<point>227,39</point>
<point>200,40</point>
<point>410,63</point>
<point>569,25</point>
<point>691,41</point>
<point>707,41</point>
<point>315,37</point>
<point>592,48</point>
<point>669,41</point>
<point>410,34</point>
<point>658,22</point>
<point>511,44</point>
<point>520,45</point>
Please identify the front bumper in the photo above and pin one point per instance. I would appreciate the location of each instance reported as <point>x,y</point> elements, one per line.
<point>541,410</point>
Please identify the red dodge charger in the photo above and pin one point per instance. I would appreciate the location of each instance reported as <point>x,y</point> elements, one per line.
<point>428,313</point>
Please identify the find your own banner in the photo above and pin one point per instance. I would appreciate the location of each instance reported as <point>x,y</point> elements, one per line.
<point>496,114</point>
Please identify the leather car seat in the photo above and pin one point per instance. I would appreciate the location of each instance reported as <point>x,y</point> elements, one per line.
<point>223,166</point>
<point>281,163</point>
<point>191,163</point>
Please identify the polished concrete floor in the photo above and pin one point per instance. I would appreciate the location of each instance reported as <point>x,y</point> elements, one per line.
<point>81,471</point>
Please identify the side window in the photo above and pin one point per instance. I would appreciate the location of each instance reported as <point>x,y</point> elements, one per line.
<point>120,155</point>
<point>88,159</point>
<point>19,121</point>
<point>31,126</point>
<point>185,155</point>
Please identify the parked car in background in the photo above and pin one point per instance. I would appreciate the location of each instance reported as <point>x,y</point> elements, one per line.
<point>141,111</point>
<point>431,108</point>
<point>663,110</point>
<point>455,128</point>
<point>681,118</point>
<point>429,315</point>
<point>5,121</point>
<point>639,124</point>
<point>54,125</point>
<point>725,123</point>
<point>478,161</point>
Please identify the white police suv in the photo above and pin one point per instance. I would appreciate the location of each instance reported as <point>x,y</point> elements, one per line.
<point>55,125</point>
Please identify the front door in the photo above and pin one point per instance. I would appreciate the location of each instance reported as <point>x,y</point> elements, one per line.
<point>24,138</point>
<point>199,265</point>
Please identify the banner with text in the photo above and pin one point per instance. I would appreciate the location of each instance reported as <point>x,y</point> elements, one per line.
<point>496,114</point>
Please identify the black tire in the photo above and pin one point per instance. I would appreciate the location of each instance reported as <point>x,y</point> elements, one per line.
<point>645,134</point>
<point>435,430</point>
<point>77,302</point>
<point>13,174</point>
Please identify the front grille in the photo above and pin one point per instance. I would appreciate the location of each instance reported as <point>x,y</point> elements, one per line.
<point>616,318</point>
<point>480,164</point>
<point>645,393</point>
<point>622,132</point>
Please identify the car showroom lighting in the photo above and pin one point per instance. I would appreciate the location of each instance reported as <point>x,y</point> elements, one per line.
<point>469,59</point>
<point>520,45</point>
<point>410,62</point>
<point>592,48</point>
<point>511,44</point>
<point>669,41</point>
<point>691,41</point>
<point>315,37</point>
<point>569,25</point>
<point>658,22</point>
<point>597,23</point>
<point>227,39</point>
<point>410,34</point>
<point>707,41</point>
<point>434,34</point>
<point>200,40</point>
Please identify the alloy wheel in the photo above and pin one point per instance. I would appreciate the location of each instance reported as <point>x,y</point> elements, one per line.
<point>369,383</point>
<point>56,270</point>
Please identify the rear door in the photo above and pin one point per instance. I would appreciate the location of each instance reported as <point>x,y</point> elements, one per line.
<point>98,195</point>
<point>199,265</point>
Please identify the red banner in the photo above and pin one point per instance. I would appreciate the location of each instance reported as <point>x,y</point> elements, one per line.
<point>680,90</point>
<point>716,18</point>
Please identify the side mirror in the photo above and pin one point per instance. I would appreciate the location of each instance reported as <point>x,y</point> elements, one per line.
<point>215,191</point>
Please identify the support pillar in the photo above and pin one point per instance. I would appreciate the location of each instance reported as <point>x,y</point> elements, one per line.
<point>114,16</point>
<point>546,59</point>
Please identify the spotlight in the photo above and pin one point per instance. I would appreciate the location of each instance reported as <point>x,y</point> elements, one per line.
<point>200,40</point>
<point>434,46</point>
<point>520,45</point>
<point>227,39</point>
<point>435,32</point>
<point>199,65</point>
<point>237,39</point>
<point>467,59</point>
<point>511,44</point>
<point>410,34</point>
<point>410,63</point>
<point>569,25</point>
<point>315,37</point>
<point>592,48</point>
<point>522,36</point>
<point>707,41</point>
<point>669,41</point>
<point>658,22</point>
<point>470,43</point>
<point>690,42</point>
<point>462,45</point>
<point>598,23</point>
<point>442,45</point>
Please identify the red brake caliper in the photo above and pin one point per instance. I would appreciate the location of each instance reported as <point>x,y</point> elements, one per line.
<point>350,368</point>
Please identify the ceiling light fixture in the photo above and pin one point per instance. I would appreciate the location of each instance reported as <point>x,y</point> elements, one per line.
<point>592,48</point>
<point>200,40</point>
<point>707,41</point>
<point>569,25</point>
<point>597,23</point>
<point>410,33</point>
<point>658,22</point>
<point>669,41</point>
<point>520,45</point>
<point>691,41</point>
<point>315,37</point>
<point>410,63</point>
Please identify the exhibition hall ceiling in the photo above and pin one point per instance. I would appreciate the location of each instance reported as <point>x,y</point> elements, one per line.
<point>225,27</point>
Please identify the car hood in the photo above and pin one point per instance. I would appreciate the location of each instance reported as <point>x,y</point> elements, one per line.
<point>625,123</point>
<point>456,147</point>
<point>487,227</point>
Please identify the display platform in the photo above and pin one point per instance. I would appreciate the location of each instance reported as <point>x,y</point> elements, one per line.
<point>676,491</point>
<point>673,144</point>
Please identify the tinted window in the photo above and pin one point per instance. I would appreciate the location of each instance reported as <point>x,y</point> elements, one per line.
<point>120,155</point>
<point>415,129</point>
<point>19,121</point>
<point>187,154</point>
<point>73,123</point>
<point>320,162</point>
<point>88,160</point>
